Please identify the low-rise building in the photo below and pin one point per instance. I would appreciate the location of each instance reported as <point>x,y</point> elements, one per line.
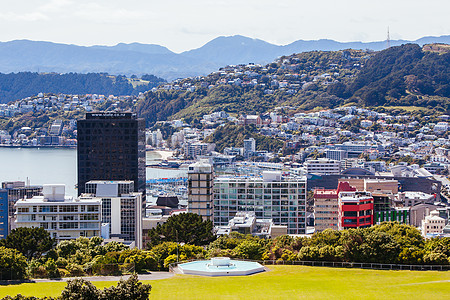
<point>414,198</point>
<point>323,166</point>
<point>355,208</point>
<point>247,223</point>
<point>336,154</point>
<point>433,224</point>
<point>64,217</point>
<point>18,190</point>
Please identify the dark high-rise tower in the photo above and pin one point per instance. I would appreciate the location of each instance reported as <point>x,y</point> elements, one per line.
<point>111,146</point>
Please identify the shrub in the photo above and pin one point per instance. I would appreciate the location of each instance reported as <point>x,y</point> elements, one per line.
<point>74,269</point>
<point>13,264</point>
<point>51,268</point>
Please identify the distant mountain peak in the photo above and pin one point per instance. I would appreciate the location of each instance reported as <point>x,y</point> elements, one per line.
<point>138,58</point>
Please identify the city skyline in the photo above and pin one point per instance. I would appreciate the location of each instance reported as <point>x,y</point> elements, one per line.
<point>182,26</point>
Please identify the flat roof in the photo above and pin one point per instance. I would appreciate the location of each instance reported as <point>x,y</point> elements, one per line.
<point>67,200</point>
<point>111,181</point>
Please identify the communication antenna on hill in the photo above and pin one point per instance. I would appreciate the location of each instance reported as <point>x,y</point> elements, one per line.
<point>388,40</point>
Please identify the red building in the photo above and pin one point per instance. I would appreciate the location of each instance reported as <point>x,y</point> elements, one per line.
<point>355,208</point>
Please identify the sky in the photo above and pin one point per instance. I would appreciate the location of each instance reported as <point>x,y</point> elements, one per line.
<point>182,25</point>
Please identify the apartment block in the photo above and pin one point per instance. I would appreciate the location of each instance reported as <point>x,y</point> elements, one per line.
<point>121,209</point>
<point>200,189</point>
<point>270,196</point>
<point>355,208</point>
<point>64,217</point>
<point>336,154</point>
<point>323,166</point>
<point>433,224</point>
<point>18,190</point>
<point>326,209</point>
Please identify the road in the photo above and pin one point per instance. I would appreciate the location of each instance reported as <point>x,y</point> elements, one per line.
<point>152,276</point>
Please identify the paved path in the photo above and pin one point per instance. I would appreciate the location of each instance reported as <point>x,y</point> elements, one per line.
<point>426,282</point>
<point>151,276</point>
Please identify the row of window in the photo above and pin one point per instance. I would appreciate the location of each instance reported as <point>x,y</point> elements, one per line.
<point>265,196</point>
<point>266,203</point>
<point>54,208</point>
<point>219,184</point>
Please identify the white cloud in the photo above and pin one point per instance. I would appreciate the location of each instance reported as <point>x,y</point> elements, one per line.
<point>29,17</point>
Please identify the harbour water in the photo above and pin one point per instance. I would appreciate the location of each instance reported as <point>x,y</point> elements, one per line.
<point>50,165</point>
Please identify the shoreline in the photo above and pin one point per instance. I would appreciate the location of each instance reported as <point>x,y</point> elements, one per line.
<point>40,146</point>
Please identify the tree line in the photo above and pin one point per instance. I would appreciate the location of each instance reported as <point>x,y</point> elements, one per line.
<point>186,236</point>
<point>14,86</point>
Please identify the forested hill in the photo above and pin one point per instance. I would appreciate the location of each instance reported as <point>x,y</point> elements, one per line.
<point>16,86</point>
<point>404,75</point>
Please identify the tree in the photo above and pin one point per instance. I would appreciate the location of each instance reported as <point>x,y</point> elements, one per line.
<point>32,242</point>
<point>380,247</point>
<point>186,228</point>
<point>51,268</point>
<point>80,289</point>
<point>309,253</point>
<point>13,264</point>
<point>249,249</point>
<point>130,289</point>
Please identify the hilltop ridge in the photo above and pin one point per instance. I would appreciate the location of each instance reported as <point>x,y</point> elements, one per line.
<point>139,59</point>
<point>403,75</point>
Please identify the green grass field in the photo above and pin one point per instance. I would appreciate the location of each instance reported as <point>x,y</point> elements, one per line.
<point>283,282</point>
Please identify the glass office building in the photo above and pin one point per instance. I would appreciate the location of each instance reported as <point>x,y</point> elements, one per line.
<point>272,196</point>
<point>111,146</point>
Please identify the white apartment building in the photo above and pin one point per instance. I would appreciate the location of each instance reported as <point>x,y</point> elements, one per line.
<point>441,127</point>
<point>121,209</point>
<point>336,154</point>
<point>64,217</point>
<point>195,149</point>
<point>323,166</point>
<point>272,196</point>
<point>433,224</point>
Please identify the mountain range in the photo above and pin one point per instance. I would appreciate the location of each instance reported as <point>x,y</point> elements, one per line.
<point>137,58</point>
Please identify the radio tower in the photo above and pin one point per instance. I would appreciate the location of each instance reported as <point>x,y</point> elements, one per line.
<point>388,40</point>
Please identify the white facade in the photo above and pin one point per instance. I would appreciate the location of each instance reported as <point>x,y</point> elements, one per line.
<point>195,149</point>
<point>62,216</point>
<point>441,127</point>
<point>121,209</point>
<point>433,224</point>
<point>366,123</point>
<point>323,166</point>
<point>336,154</point>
